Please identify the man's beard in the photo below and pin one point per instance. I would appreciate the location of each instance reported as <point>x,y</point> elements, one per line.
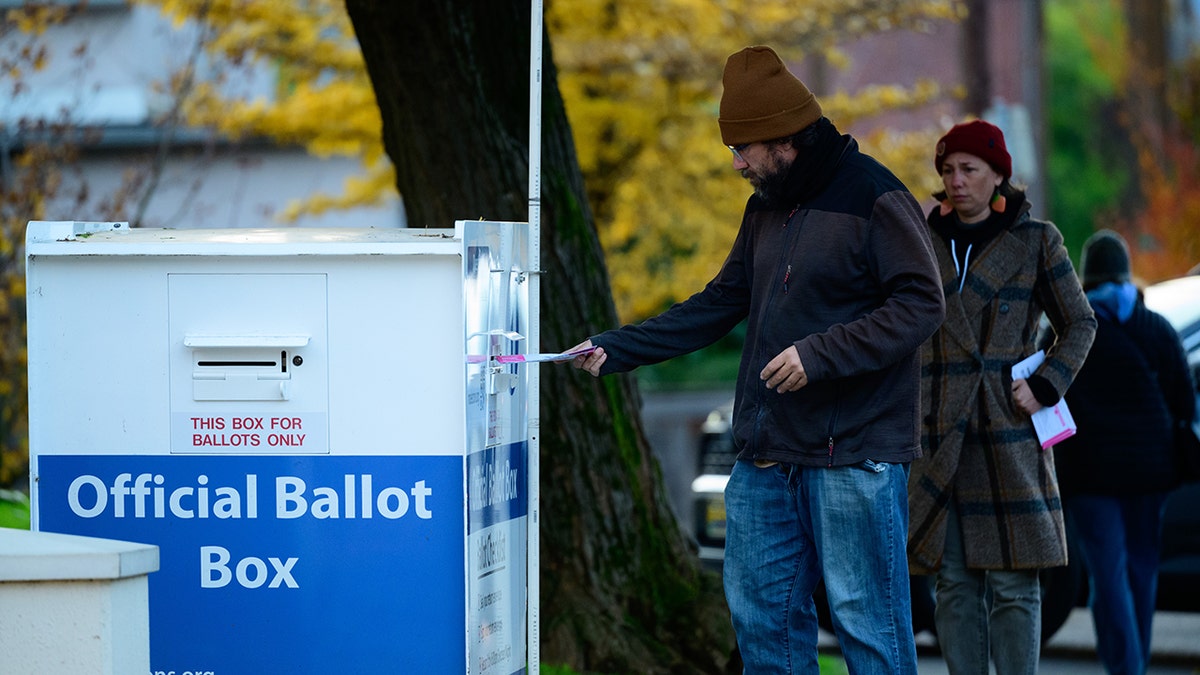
<point>768,183</point>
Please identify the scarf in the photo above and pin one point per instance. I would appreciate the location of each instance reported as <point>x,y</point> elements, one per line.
<point>811,171</point>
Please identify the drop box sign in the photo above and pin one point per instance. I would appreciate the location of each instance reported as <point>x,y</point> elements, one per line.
<point>280,564</point>
<point>296,418</point>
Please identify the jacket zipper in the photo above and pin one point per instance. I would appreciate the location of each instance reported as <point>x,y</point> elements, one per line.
<point>837,404</point>
<point>787,273</point>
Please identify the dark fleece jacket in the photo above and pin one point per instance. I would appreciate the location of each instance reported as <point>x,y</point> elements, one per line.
<point>839,266</point>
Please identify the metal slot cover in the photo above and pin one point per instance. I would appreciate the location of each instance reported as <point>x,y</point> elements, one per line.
<point>241,373</point>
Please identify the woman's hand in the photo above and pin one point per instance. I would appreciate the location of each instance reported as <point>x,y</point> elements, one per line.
<point>1023,397</point>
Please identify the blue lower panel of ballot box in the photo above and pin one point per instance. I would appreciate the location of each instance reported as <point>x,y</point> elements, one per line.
<point>298,564</point>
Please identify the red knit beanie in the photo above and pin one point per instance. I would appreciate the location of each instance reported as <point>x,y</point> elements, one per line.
<point>763,100</point>
<point>978,138</point>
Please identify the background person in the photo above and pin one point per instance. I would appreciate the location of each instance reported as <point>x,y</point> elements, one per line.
<point>984,504</point>
<point>833,271</point>
<point>1116,472</point>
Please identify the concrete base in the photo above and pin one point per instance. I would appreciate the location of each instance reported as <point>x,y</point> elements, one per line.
<point>72,604</point>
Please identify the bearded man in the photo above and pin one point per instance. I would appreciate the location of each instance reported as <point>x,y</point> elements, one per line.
<point>833,271</point>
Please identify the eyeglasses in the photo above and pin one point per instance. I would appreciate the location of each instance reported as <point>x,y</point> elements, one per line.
<point>737,150</point>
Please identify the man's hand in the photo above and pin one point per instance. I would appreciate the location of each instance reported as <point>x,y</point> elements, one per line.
<point>1023,397</point>
<point>785,372</point>
<point>591,361</point>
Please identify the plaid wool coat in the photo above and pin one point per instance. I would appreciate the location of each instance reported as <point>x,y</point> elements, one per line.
<point>980,451</point>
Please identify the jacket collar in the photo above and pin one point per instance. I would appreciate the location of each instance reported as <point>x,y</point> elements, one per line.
<point>1002,258</point>
<point>812,170</point>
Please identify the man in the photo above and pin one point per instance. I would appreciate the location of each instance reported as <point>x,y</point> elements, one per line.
<point>833,269</point>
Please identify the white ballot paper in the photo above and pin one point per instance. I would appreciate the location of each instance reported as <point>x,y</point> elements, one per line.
<point>1053,423</point>
<point>540,358</point>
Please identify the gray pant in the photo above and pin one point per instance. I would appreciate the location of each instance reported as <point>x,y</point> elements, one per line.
<point>986,611</point>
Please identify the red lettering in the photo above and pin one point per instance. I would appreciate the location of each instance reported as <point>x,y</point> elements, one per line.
<point>286,440</point>
<point>225,441</point>
<point>249,423</point>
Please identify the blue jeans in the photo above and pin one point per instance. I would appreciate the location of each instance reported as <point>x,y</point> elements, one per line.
<point>787,527</point>
<point>968,631</point>
<point>1120,541</point>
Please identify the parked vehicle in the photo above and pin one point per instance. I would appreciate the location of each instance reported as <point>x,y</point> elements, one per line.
<point>1179,571</point>
<point>1063,588</point>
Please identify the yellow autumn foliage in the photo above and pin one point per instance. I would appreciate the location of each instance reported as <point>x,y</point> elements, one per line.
<point>641,80</point>
<point>323,101</point>
<point>34,19</point>
<point>641,83</point>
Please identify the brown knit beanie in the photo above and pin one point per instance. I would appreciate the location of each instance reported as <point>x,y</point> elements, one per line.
<point>762,100</point>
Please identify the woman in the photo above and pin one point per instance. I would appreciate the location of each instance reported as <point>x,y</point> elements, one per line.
<point>983,502</point>
<point>1132,392</point>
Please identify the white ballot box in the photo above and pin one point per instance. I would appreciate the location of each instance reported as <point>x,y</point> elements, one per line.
<point>311,425</point>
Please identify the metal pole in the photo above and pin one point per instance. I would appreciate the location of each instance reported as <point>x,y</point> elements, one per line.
<point>532,578</point>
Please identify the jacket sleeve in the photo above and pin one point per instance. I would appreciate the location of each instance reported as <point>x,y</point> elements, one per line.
<point>687,326</point>
<point>913,307</point>
<point>1067,309</point>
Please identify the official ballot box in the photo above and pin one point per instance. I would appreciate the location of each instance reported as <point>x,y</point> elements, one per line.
<point>311,425</point>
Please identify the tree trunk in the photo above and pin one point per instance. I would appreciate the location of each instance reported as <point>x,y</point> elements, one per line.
<point>621,588</point>
<point>1146,78</point>
<point>977,61</point>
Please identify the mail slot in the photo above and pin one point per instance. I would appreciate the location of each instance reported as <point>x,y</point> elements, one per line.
<point>244,368</point>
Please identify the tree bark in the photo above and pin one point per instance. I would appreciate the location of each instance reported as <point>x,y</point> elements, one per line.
<point>1146,78</point>
<point>621,587</point>
<point>977,62</point>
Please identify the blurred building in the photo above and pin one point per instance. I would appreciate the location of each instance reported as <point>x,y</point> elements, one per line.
<point>989,64</point>
<point>102,91</point>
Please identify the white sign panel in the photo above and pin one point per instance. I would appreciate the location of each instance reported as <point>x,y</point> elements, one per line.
<point>497,320</point>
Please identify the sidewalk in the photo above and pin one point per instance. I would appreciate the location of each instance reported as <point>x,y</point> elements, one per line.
<point>1176,637</point>
<point>1175,644</point>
